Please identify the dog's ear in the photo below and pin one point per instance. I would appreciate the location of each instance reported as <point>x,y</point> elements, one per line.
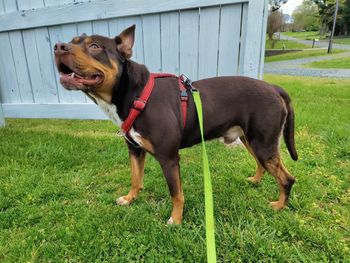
<point>125,42</point>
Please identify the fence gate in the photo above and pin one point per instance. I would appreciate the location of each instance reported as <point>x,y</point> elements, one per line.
<point>200,38</point>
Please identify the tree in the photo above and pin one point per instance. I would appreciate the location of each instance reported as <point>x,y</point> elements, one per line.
<point>346,16</point>
<point>275,19</point>
<point>306,16</point>
<point>276,4</point>
<point>274,23</point>
<point>326,10</point>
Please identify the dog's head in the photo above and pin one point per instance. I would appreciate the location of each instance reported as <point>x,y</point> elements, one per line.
<point>93,63</point>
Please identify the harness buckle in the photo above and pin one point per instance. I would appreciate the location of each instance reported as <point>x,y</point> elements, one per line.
<point>187,82</point>
<point>184,95</point>
<point>139,104</point>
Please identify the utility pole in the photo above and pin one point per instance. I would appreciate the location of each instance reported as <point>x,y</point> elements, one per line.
<point>334,22</point>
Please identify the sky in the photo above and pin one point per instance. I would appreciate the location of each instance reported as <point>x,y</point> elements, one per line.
<point>290,6</point>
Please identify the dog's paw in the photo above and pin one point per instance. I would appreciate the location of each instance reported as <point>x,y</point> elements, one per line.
<point>276,205</point>
<point>123,201</point>
<point>253,180</point>
<point>173,221</point>
<point>170,221</point>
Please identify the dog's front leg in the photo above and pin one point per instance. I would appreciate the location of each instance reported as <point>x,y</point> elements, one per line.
<point>171,170</point>
<point>137,163</point>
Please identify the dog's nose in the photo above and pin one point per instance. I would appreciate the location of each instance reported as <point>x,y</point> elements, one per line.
<point>61,48</point>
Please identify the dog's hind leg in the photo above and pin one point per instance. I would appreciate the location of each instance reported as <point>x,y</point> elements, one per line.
<point>137,162</point>
<point>171,170</point>
<point>260,170</point>
<point>284,180</point>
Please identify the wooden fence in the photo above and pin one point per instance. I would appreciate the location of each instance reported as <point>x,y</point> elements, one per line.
<point>198,38</point>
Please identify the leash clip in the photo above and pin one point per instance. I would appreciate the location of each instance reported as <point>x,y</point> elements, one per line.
<point>187,82</point>
<point>126,137</point>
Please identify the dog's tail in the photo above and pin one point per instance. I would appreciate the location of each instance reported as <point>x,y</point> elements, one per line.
<point>288,130</point>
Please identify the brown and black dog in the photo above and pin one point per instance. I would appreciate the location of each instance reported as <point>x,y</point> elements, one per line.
<point>233,107</point>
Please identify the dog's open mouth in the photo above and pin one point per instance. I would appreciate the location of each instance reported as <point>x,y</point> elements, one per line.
<point>76,80</point>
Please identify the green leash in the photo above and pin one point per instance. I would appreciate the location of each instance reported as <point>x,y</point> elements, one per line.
<point>208,192</point>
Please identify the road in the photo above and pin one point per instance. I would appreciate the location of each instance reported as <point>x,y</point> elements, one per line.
<point>296,67</point>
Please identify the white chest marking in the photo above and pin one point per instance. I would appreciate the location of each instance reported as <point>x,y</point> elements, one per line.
<point>109,109</point>
<point>135,136</point>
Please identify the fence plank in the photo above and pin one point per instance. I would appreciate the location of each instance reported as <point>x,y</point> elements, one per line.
<point>243,39</point>
<point>46,64</point>
<point>84,27</point>
<point>21,66</point>
<point>151,38</point>
<point>100,28</point>
<point>230,27</point>
<point>7,67</point>
<point>33,66</point>
<point>8,71</point>
<point>170,42</point>
<point>263,39</point>
<point>97,10</point>
<point>252,46</point>
<point>19,59</point>
<point>31,50</point>
<point>138,52</point>
<point>208,42</point>
<point>189,20</point>
<point>116,26</point>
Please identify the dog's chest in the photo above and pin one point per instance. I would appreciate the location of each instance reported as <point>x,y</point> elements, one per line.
<point>109,109</point>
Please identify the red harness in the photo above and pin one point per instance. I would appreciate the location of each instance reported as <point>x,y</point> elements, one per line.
<point>140,102</point>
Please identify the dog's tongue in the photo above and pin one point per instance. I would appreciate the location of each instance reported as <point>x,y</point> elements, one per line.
<point>76,80</point>
<point>91,81</point>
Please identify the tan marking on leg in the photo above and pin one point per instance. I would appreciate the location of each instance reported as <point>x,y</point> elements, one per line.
<point>137,173</point>
<point>178,201</point>
<point>284,180</point>
<point>147,145</point>
<point>260,170</point>
<point>171,171</point>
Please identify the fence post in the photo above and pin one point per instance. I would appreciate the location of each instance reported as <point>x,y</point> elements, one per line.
<point>2,117</point>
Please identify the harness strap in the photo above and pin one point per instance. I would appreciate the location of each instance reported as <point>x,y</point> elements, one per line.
<point>140,103</point>
<point>184,101</point>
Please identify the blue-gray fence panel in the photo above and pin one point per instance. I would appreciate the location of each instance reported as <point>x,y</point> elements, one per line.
<point>199,38</point>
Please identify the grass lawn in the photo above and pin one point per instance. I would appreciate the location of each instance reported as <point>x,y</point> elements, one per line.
<point>333,63</point>
<point>59,180</point>
<point>345,41</point>
<point>301,54</point>
<point>304,35</point>
<point>285,44</point>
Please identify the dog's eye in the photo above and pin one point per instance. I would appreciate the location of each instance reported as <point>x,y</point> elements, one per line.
<point>94,46</point>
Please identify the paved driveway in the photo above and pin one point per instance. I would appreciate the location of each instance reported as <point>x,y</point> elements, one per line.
<point>295,67</point>
<point>321,43</point>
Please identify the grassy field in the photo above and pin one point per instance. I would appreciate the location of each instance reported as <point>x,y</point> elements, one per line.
<point>345,41</point>
<point>340,63</point>
<point>285,44</point>
<point>315,34</point>
<point>304,35</point>
<point>59,180</point>
<point>301,54</point>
